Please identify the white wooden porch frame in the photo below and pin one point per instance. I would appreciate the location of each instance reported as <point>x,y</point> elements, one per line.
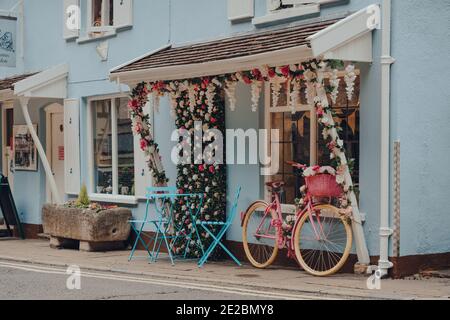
<point>51,84</point>
<point>347,39</point>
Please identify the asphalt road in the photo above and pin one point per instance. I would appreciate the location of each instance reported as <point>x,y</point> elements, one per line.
<point>19,281</point>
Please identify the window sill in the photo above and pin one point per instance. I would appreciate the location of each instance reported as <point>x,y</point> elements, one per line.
<point>286,14</point>
<point>87,39</point>
<point>107,35</point>
<point>130,200</point>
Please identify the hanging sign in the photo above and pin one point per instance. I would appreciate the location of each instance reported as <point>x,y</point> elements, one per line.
<point>8,26</point>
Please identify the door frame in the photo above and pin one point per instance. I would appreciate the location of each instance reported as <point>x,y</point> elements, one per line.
<point>6,105</point>
<point>49,111</point>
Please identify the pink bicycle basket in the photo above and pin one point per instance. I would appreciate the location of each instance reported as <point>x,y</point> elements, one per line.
<point>323,185</point>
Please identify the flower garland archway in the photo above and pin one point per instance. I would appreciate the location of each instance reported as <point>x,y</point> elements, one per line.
<point>202,99</point>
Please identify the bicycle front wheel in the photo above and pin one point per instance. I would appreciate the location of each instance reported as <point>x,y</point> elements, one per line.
<point>322,244</point>
<point>259,236</point>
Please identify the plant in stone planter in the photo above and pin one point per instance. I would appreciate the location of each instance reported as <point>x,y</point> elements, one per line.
<point>96,227</point>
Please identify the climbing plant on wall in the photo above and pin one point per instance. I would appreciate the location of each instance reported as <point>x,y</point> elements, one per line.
<point>204,104</point>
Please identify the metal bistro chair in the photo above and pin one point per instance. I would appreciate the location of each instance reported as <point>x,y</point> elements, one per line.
<point>217,238</point>
<point>154,194</point>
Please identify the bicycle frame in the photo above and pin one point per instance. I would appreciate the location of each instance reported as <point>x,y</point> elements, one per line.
<point>282,240</point>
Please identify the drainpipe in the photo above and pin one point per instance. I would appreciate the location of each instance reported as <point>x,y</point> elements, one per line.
<point>48,170</point>
<point>386,61</point>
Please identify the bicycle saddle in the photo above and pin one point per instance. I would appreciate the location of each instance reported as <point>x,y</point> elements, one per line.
<point>275,184</point>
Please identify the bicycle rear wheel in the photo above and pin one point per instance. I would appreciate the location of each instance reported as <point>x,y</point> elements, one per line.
<point>259,236</point>
<point>323,245</point>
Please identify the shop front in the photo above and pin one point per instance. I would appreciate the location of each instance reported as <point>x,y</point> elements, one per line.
<point>306,82</point>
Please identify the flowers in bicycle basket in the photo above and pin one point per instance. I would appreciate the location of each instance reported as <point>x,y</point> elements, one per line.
<point>339,173</point>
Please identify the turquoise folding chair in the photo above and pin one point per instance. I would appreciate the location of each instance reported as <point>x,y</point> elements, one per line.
<point>153,194</point>
<point>217,238</point>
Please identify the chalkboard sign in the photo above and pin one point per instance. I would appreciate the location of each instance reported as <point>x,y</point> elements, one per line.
<point>8,207</point>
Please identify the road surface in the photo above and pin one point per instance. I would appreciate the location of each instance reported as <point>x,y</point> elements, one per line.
<point>28,281</point>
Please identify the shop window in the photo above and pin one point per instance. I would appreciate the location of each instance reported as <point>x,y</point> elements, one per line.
<point>301,139</point>
<point>113,147</point>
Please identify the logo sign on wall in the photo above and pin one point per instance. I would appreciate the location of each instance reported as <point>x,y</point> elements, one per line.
<point>8,27</point>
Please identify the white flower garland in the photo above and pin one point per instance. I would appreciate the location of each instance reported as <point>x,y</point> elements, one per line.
<point>295,94</point>
<point>350,78</point>
<point>276,84</point>
<point>230,90</point>
<point>335,82</point>
<point>256,93</point>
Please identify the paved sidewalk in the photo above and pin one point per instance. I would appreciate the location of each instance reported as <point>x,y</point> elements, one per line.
<point>275,279</point>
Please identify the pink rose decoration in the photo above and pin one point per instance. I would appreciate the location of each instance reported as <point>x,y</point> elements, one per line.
<point>144,144</point>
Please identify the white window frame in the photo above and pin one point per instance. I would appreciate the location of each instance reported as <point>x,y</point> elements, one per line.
<point>300,8</point>
<point>93,195</point>
<point>104,28</point>
<point>268,110</point>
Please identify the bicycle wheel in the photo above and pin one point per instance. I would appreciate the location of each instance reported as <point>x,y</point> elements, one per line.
<point>260,237</point>
<point>323,245</point>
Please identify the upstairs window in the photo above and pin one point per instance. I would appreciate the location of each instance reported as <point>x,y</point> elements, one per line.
<point>102,17</point>
<point>102,13</point>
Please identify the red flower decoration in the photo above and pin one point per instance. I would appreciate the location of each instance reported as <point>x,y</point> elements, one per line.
<point>247,80</point>
<point>285,71</point>
<point>133,104</point>
<point>213,120</point>
<point>144,144</point>
<point>271,73</point>
<point>201,168</point>
<point>320,111</point>
<point>212,169</point>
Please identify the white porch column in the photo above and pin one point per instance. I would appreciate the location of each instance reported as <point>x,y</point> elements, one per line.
<point>48,170</point>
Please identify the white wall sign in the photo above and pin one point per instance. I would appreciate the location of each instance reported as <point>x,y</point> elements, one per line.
<point>8,26</point>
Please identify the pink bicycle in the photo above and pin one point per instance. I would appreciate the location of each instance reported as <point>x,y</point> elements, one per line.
<point>319,236</point>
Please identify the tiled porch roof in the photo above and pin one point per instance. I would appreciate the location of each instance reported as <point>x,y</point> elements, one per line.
<point>9,83</point>
<point>229,48</point>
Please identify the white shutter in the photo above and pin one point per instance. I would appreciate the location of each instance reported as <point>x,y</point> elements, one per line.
<point>240,9</point>
<point>123,13</point>
<point>273,5</point>
<point>71,19</point>
<point>142,175</point>
<point>72,146</point>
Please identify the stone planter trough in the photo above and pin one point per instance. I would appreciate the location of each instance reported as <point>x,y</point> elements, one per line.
<point>96,231</point>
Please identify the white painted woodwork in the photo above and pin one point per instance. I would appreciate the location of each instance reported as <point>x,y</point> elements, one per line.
<point>72,174</point>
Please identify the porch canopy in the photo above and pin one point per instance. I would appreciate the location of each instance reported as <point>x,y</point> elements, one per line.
<point>48,84</point>
<point>346,37</point>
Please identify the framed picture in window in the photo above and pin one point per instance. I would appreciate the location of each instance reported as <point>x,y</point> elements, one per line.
<point>25,153</point>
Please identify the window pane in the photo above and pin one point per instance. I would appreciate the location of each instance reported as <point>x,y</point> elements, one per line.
<point>125,148</point>
<point>111,12</point>
<point>294,146</point>
<point>9,126</point>
<point>102,146</point>
<point>97,13</point>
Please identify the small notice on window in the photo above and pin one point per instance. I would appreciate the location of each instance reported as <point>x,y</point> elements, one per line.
<point>61,153</point>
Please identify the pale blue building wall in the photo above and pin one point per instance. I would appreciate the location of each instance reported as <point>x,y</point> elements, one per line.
<point>420,121</point>
<point>158,22</point>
